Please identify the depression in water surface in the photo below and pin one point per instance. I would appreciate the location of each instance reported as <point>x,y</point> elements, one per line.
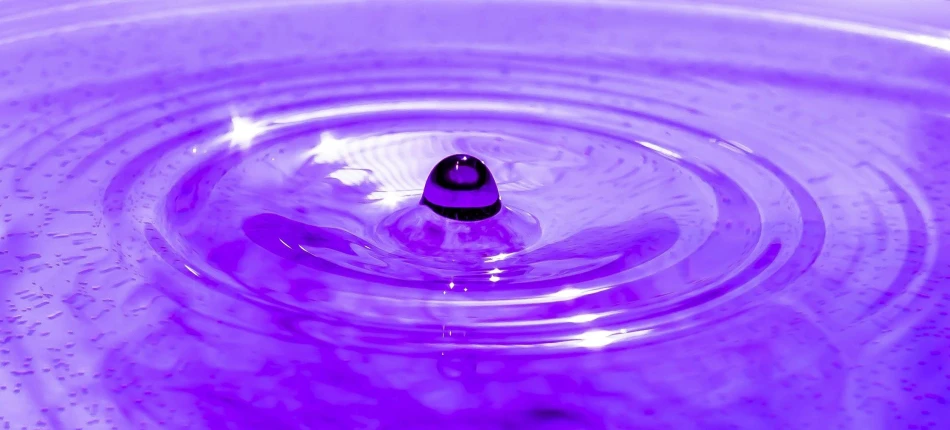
<point>232,217</point>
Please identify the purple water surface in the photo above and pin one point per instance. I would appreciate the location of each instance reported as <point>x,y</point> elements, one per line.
<point>714,217</point>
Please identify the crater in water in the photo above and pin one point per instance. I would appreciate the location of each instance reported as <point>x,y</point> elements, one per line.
<point>216,215</point>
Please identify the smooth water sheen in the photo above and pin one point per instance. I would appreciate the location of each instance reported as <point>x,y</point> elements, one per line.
<point>713,217</point>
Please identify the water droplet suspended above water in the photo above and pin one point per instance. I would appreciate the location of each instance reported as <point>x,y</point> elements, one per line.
<point>462,188</point>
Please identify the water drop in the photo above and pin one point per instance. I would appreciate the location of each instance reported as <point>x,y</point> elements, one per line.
<point>460,187</point>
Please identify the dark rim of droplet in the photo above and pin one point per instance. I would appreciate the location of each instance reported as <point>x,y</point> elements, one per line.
<point>465,214</point>
<point>444,168</point>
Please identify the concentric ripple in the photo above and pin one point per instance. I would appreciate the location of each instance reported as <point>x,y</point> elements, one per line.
<point>222,228</point>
